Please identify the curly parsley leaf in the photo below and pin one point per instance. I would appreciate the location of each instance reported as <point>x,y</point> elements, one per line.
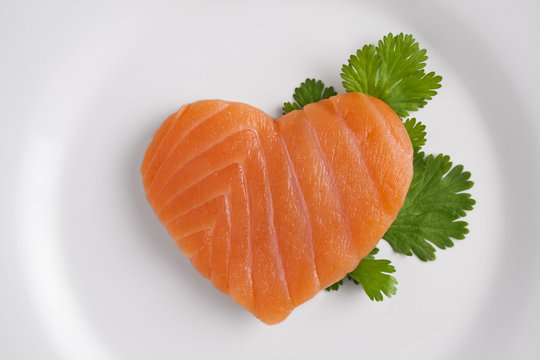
<point>308,92</point>
<point>417,133</point>
<point>392,71</point>
<point>434,203</point>
<point>373,275</point>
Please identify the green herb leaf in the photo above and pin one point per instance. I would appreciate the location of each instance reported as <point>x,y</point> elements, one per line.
<point>433,205</point>
<point>288,107</point>
<point>308,92</point>
<point>417,133</point>
<point>335,286</point>
<point>373,275</point>
<point>392,71</point>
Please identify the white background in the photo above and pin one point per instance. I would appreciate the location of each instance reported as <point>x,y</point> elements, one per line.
<point>87,272</point>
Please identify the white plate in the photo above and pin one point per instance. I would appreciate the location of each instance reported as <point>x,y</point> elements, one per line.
<point>87,271</point>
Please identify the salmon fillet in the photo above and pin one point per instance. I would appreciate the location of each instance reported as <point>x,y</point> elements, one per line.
<point>273,211</point>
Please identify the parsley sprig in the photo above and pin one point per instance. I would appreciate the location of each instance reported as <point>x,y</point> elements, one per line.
<point>417,133</point>
<point>374,276</point>
<point>434,203</point>
<point>308,92</point>
<point>393,71</point>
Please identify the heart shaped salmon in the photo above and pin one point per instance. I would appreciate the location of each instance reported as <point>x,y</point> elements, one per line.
<point>274,211</point>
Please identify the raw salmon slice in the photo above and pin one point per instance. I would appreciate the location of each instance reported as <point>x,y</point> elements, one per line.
<point>273,211</point>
